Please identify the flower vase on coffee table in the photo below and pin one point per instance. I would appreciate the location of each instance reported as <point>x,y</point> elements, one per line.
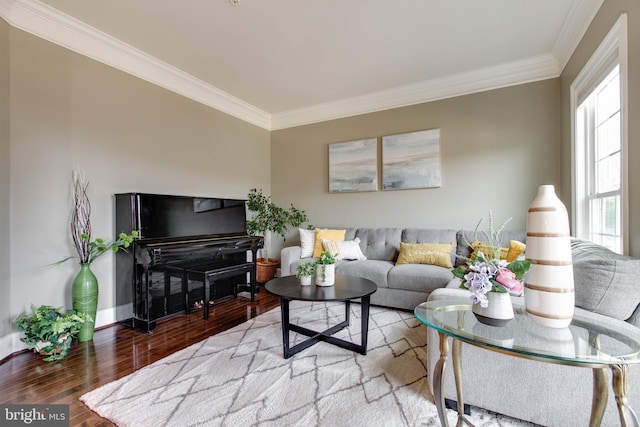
<point>498,312</point>
<point>492,278</point>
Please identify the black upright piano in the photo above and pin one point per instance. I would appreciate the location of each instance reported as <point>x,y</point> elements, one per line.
<point>191,251</point>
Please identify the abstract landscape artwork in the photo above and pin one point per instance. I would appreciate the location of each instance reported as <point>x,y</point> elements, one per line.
<point>353,166</point>
<point>411,160</point>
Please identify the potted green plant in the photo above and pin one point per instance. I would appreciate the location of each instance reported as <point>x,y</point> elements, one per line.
<point>85,285</point>
<point>325,269</point>
<point>268,217</point>
<point>304,272</point>
<point>50,332</point>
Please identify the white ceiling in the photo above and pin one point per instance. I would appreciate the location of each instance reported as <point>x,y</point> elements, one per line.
<point>281,63</point>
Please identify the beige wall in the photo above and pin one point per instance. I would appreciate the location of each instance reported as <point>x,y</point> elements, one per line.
<point>496,148</point>
<point>601,25</point>
<point>69,111</point>
<point>5,286</point>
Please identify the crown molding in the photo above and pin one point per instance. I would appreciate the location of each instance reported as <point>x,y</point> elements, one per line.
<point>50,24</point>
<point>575,26</point>
<point>529,70</point>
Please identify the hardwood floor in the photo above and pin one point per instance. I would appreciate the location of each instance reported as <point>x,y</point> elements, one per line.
<point>115,352</point>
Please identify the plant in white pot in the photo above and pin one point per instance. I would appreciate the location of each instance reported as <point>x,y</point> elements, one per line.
<point>267,218</point>
<point>326,269</point>
<point>304,272</point>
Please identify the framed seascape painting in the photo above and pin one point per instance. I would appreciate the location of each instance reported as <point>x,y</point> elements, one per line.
<point>353,166</point>
<point>411,160</point>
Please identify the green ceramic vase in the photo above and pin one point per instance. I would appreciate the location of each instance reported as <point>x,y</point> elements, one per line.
<point>85,299</point>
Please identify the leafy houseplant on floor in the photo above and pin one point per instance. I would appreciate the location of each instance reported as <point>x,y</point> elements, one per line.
<point>270,218</point>
<point>326,269</point>
<point>304,272</point>
<point>85,285</point>
<point>50,332</point>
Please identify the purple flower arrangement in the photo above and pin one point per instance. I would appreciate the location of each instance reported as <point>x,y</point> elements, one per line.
<point>484,275</point>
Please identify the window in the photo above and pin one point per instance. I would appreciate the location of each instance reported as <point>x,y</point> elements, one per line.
<point>598,123</point>
<point>598,104</point>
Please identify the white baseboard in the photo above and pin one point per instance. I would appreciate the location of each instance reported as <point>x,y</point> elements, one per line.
<point>10,344</point>
<point>112,315</point>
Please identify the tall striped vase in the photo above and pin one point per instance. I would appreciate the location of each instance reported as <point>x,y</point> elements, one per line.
<point>548,290</point>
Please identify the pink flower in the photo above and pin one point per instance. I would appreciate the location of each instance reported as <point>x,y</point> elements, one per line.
<point>507,278</point>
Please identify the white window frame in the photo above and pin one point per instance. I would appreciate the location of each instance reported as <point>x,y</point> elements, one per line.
<point>612,51</point>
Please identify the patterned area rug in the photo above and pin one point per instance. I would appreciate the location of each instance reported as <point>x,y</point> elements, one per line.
<point>239,378</point>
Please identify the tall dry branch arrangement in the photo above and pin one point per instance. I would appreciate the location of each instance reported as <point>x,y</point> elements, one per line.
<point>88,250</point>
<point>80,221</point>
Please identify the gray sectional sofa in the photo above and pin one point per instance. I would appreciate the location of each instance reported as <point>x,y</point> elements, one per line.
<point>399,286</point>
<point>606,286</point>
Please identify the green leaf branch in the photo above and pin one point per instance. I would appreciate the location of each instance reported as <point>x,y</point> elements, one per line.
<point>270,217</point>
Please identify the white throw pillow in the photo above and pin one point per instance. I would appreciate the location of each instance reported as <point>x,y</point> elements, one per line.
<point>307,242</point>
<point>349,249</point>
<point>332,247</point>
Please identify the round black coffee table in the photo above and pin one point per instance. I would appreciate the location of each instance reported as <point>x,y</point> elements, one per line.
<point>346,288</point>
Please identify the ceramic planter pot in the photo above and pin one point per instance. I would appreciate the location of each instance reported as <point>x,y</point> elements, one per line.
<point>85,299</point>
<point>326,277</point>
<point>305,280</point>
<point>266,269</point>
<point>498,313</point>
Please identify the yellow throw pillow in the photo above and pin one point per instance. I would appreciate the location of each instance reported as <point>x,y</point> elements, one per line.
<point>487,250</point>
<point>515,250</point>
<point>323,233</point>
<point>426,253</point>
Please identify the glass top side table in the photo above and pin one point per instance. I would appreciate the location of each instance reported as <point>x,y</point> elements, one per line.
<point>605,343</point>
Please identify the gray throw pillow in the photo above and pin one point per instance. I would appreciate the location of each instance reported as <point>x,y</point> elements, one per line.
<point>607,286</point>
